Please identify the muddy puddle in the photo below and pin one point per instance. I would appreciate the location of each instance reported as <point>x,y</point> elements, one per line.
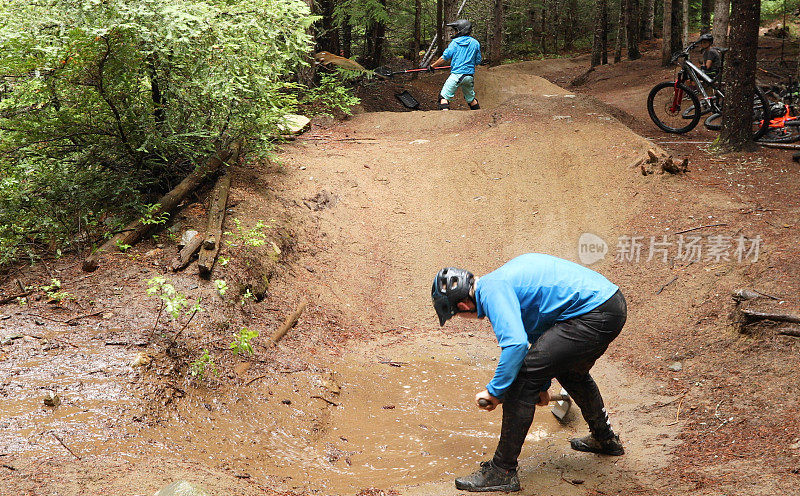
<point>95,385</point>
<point>402,422</point>
<point>364,420</point>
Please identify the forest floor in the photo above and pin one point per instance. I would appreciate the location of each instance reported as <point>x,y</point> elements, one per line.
<point>366,395</point>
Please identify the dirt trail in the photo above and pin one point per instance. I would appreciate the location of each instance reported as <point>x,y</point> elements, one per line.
<point>532,171</point>
<point>405,194</point>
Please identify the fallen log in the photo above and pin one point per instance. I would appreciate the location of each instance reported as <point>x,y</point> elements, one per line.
<point>755,315</point>
<point>216,217</point>
<point>188,251</point>
<point>290,322</point>
<point>13,297</point>
<point>745,294</point>
<point>789,332</point>
<point>136,230</point>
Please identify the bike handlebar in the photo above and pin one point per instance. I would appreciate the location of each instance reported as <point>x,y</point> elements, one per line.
<point>684,53</point>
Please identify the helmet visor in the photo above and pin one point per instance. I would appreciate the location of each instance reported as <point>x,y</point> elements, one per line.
<point>443,309</point>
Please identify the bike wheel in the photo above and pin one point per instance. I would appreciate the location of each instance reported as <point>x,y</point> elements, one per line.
<point>714,122</point>
<point>761,114</point>
<point>664,104</point>
<point>781,135</point>
<point>760,109</point>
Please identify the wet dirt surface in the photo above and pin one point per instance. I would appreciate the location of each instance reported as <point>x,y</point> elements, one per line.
<point>407,193</point>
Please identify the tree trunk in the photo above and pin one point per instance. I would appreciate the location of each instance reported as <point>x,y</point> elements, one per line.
<point>685,23</point>
<point>569,24</point>
<point>417,42</point>
<point>555,22</point>
<point>633,29</point>
<point>328,36</point>
<point>543,31</point>
<point>600,42</point>
<point>347,38</point>
<point>705,16</point>
<point>375,37</point>
<point>671,33</point>
<point>722,11</point>
<point>440,26</point>
<point>496,40</point>
<point>450,12</point>
<point>648,19</point>
<point>622,30</point>
<point>666,34</point>
<point>532,17</point>
<point>740,77</point>
<point>677,26</point>
<point>306,74</point>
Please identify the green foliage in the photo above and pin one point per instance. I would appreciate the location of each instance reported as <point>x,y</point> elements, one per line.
<point>222,286</point>
<point>174,302</point>
<point>123,247</point>
<point>248,296</point>
<point>241,342</point>
<point>54,292</point>
<point>255,236</point>
<point>361,12</point>
<point>104,102</point>
<point>774,9</point>
<point>331,95</point>
<point>199,366</point>
<point>151,216</point>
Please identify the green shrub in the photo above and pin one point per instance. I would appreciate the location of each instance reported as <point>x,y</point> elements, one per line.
<point>105,104</point>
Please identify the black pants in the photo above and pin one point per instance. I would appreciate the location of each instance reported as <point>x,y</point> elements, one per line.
<point>566,352</point>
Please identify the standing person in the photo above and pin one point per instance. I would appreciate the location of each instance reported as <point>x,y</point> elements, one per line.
<point>464,53</point>
<point>552,318</point>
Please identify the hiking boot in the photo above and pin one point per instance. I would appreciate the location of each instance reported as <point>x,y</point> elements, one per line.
<point>610,446</point>
<point>489,478</point>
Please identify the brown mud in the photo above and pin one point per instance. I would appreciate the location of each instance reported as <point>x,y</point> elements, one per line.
<point>366,391</point>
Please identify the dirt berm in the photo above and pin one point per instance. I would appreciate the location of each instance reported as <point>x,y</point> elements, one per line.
<point>391,408</point>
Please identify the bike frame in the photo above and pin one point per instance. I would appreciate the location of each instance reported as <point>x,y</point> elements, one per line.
<point>689,71</point>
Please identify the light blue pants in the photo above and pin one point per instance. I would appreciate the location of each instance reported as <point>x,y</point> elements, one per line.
<point>463,81</point>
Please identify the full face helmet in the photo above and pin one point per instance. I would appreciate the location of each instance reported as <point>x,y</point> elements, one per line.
<point>450,286</point>
<point>462,26</point>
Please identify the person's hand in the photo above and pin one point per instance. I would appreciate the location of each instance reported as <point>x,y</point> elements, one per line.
<point>544,398</point>
<point>430,68</point>
<point>490,401</point>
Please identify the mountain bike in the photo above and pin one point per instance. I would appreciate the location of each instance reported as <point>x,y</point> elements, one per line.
<point>784,123</point>
<point>676,107</point>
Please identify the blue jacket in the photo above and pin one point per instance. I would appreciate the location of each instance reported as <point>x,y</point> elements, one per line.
<point>525,297</point>
<point>464,53</point>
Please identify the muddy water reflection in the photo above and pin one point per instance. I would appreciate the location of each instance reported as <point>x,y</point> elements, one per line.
<point>391,426</point>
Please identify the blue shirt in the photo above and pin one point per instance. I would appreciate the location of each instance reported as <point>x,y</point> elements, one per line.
<point>525,297</point>
<point>464,53</point>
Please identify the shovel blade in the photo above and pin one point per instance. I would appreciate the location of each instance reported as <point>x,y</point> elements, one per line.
<point>561,408</point>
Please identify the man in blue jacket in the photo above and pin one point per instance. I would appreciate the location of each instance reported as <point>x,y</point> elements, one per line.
<point>464,53</point>
<point>553,319</point>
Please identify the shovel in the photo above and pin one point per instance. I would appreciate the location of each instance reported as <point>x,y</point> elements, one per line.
<point>560,410</point>
<point>387,73</point>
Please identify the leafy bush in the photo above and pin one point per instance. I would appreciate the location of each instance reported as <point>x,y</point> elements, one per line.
<point>104,101</point>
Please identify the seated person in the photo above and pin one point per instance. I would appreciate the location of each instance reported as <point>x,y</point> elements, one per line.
<point>712,57</point>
